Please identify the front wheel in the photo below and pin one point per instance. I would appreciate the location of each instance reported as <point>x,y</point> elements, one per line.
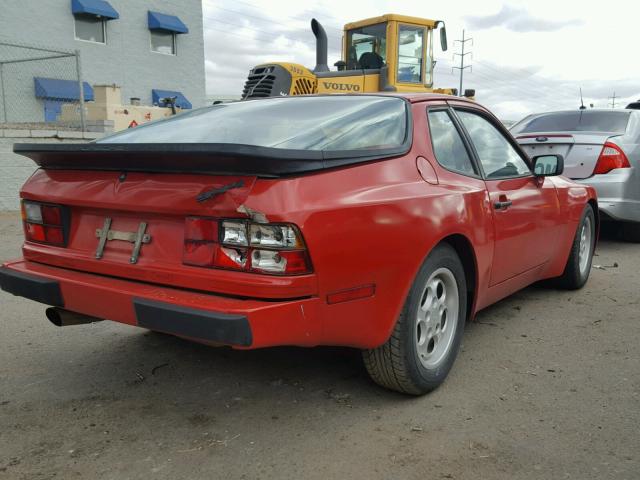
<point>425,341</point>
<point>576,272</point>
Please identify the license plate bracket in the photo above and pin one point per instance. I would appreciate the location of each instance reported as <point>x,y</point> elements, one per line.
<point>139,237</point>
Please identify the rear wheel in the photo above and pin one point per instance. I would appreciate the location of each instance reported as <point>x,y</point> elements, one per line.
<point>576,272</point>
<point>425,341</point>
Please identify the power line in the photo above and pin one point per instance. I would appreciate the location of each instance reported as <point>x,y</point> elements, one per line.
<point>462,55</point>
<point>613,99</point>
<point>508,83</point>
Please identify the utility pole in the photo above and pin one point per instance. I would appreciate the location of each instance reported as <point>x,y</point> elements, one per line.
<point>613,100</point>
<point>462,55</point>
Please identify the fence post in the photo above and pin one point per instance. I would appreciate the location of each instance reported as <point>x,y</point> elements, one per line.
<point>4,100</point>
<point>81,91</point>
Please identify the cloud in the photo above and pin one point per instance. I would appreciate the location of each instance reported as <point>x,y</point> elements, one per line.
<point>514,92</point>
<point>236,39</point>
<point>518,20</point>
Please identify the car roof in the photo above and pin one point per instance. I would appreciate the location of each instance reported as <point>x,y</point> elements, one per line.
<point>421,97</point>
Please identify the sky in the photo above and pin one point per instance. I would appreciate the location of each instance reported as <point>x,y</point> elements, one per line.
<point>527,57</point>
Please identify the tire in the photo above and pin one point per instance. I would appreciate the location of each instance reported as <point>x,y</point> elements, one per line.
<point>576,272</point>
<point>425,341</point>
<point>630,232</point>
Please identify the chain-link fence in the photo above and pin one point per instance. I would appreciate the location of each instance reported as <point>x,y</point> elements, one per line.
<point>39,85</point>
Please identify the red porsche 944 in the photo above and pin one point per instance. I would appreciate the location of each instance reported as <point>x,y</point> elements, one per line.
<point>380,222</point>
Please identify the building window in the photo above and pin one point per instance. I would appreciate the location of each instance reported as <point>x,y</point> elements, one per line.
<point>90,29</point>
<point>163,42</point>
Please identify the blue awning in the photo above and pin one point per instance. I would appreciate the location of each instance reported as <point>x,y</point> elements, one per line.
<point>52,88</point>
<point>99,8</point>
<point>160,21</point>
<point>181,100</point>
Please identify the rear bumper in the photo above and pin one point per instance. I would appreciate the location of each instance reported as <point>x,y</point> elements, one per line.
<point>618,194</point>
<point>242,323</point>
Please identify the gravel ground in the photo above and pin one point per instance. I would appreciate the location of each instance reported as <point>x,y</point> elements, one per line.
<point>546,386</point>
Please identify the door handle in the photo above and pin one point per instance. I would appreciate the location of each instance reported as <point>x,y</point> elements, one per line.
<point>502,205</point>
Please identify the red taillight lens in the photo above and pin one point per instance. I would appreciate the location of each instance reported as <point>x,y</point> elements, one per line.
<point>233,258</point>
<point>35,232</point>
<point>611,157</point>
<point>202,229</point>
<point>241,245</point>
<point>44,223</point>
<point>199,254</point>
<point>51,215</point>
<point>54,235</point>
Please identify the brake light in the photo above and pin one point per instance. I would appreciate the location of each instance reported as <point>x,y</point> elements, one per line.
<point>44,223</point>
<point>241,245</point>
<point>610,158</point>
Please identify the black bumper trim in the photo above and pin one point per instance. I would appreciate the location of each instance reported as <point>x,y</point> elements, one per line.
<point>189,322</point>
<point>32,287</point>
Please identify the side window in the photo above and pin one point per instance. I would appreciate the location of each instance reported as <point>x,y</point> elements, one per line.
<point>447,144</point>
<point>498,158</point>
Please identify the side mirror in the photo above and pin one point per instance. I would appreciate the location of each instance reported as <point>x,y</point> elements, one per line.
<point>548,165</point>
<point>443,38</point>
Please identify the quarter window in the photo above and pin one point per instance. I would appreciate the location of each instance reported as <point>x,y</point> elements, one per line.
<point>163,42</point>
<point>498,157</point>
<point>410,54</point>
<point>447,144</point>
<point>90,29</point>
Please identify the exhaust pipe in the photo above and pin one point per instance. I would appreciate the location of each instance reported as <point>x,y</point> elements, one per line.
<point>321,46</point>
<point>63,318</point>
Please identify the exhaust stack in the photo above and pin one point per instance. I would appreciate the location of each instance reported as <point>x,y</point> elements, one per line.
<point>64,318</point>
<point>321,46</point>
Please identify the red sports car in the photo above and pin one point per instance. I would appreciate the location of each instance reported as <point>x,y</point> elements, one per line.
<point>380,222</point>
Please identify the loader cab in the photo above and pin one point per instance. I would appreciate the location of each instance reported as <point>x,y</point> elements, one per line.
<point>389,53</point>
<point>402,45</point>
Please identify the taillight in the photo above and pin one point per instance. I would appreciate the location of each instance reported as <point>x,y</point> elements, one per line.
<point>241,245</point>
<point>610,158</point>
<point>44,223</point>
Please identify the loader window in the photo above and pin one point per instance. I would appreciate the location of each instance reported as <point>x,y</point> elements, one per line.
<point>367,47</point>
<point>410,54</point>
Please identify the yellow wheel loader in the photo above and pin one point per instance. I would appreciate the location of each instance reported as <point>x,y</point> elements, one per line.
<point>390,53</point>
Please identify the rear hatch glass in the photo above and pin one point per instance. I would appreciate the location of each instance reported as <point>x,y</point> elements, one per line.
<point>327,123</point>
<point>268,138</point>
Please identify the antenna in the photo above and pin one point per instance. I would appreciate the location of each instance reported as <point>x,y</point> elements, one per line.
<point>582,107</point>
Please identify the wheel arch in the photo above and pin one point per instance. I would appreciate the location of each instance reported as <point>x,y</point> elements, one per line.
<point>464,248</point>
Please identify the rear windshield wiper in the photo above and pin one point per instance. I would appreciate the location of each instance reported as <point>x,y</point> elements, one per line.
<point>204,196</point>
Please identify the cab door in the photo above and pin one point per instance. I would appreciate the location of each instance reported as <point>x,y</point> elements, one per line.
<point>525,208</point>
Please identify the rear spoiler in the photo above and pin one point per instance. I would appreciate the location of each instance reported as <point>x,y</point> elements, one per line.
<point>210,158</point>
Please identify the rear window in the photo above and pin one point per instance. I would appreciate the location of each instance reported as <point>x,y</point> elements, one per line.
<point>578,121</point>
<point>327,123</point>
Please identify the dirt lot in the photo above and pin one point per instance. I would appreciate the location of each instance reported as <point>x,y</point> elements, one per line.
<point>547,386</point>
